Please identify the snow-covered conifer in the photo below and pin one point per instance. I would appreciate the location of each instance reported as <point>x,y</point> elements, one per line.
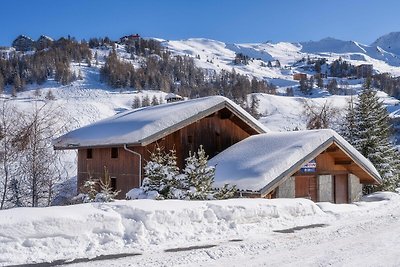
<point>89,189</point>
<point>367,128</point>
<point>161,172</point>
<point>225,192</point>
<point>199,175</point>
<point>107,193</point>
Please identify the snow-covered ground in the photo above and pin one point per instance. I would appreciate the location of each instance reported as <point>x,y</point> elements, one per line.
<point>234,232</point>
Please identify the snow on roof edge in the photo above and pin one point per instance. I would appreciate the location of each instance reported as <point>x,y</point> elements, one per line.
<point>259,171</point>
<point>74,140</point>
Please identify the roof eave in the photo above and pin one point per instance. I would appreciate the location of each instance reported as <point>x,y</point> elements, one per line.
<point>332,140</point>
<point>161,134</point>
<point>295,167</point>
<point>203,114</point>
<point>377,179</point>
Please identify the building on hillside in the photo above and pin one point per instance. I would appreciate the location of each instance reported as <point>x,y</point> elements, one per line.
<point>123,143</point>
<point>43,42</point>
<point>171,97</point>
<point>320,76</point>
<point>23,43</point>
<point>315,164</point>
<point>129,39</point>
<point>364,70</point>
<point>299,76</point>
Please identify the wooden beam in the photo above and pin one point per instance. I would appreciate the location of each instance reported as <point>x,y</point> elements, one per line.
<point>343,162</point>
<point>332,149</point>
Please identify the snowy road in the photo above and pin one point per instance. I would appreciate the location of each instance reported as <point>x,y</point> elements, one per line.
<point>367,239</point>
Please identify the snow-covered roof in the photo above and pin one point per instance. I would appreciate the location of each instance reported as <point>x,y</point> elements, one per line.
<point>172,96</point>
<point>260,162</point>
<point>145,125</point>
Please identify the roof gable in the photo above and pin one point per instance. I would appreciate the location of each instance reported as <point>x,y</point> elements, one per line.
<point>146,125</point>
<point>262,162</point>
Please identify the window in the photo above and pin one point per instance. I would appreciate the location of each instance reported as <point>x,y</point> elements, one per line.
<point>114,152</point>
<point>89,153</point>
<point>218,142</point>
<point>190,139</point>
<point>114,183</point>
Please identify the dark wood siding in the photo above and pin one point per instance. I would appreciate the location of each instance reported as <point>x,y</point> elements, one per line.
<point>306,187</point>
<point>341,188</point>
<point>124,168</point>
<point>216,133</point>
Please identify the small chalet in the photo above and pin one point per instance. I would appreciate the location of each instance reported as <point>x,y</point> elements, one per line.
<point>129,39</point>
<point>171,97</point>
<point>123,143</point>
<point>299,76</point>
<point>315,164</point>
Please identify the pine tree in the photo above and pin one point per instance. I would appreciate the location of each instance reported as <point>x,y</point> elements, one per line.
<point>320,82</point>
<point>199,175</point>
<point>367,128</point>
<point>1,83</point>
<point>136,102</point>
<point>154,101</point>
<point>225,192</point>
<point>161,173</point>
<point>107,193</point>
<point>349,128</point>
<point>146,101</point>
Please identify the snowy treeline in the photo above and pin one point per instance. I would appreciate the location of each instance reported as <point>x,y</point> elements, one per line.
<point>51,61</point>
<point>164,180</point>
<point>178,74</point>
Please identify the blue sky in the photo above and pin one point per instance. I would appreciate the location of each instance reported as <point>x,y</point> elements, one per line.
<point>229,21</point>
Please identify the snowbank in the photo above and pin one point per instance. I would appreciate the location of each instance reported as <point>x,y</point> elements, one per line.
<point>87,230</point>
<point>373,203</point>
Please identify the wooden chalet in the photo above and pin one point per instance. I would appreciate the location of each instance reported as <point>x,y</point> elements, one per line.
<point>129,39</point>
<point>123,143</point>
<point>299,76</point>
<point>318,164</point>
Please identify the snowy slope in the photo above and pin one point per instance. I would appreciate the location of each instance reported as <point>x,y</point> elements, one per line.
<point>389,42</point>
<point>217,56</point>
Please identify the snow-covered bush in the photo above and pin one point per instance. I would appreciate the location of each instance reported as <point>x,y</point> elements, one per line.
<point>161,174</point>
<point>163,179</point>
<point>97,190</point>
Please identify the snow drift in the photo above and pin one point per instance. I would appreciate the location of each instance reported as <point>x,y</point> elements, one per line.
<point>87,230</point>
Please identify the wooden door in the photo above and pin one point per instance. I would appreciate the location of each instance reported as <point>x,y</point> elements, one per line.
<point>341,188</point>
<point>306,187</point>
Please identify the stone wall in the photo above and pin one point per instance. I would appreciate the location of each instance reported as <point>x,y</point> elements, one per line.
<point>325,188</point>
<point>287,188</point>
<point>355,188</point>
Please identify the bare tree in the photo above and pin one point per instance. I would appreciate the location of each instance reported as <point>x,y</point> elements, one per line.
<point>320,117</point>
<point>8,126</point>
<point>38,162</point>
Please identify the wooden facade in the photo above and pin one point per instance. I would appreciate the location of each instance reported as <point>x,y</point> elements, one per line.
<point>339,166</point>
<point>215,133</point>
<point>299,76</point>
